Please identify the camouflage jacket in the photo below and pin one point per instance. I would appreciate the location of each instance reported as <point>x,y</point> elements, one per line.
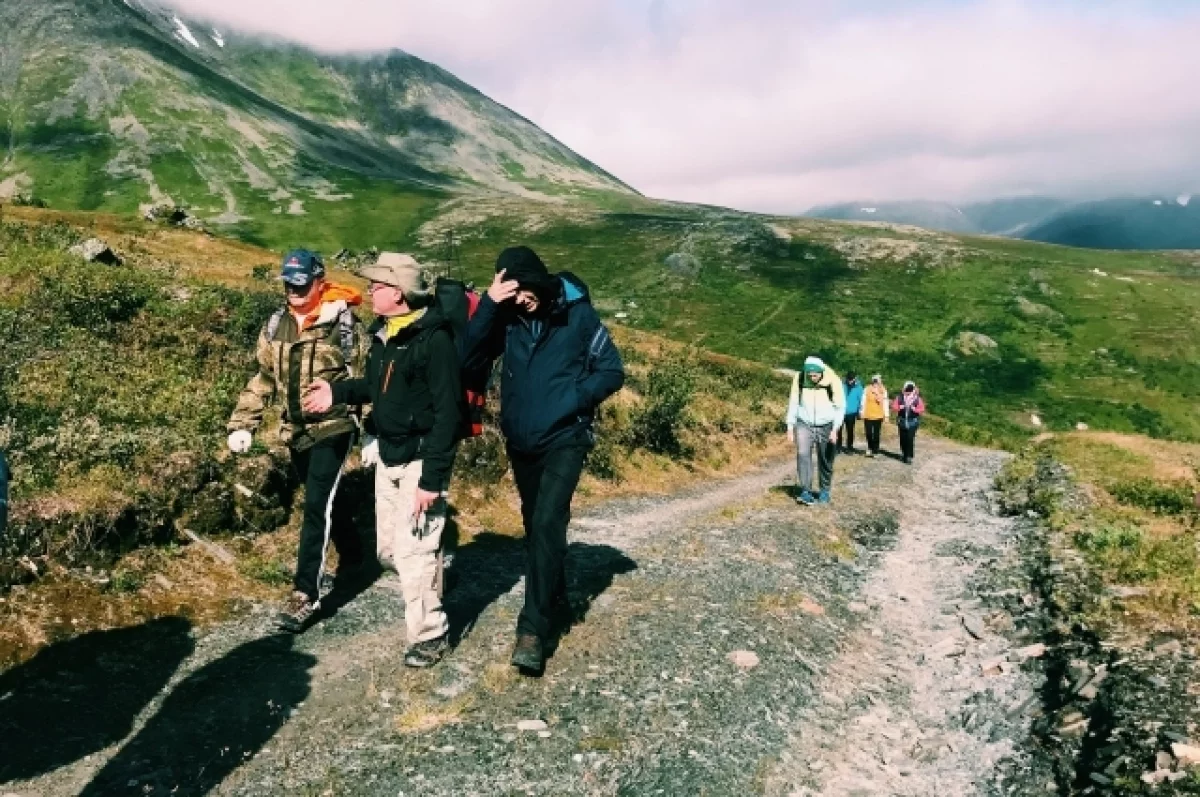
<point>333,348</point>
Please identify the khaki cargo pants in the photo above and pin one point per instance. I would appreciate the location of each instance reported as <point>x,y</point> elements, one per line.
<point>411,546</point>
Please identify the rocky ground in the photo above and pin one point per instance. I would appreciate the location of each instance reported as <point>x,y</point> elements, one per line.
<point>728,642</point>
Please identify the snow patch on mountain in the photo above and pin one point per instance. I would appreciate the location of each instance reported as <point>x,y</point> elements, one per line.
<point>184,34</point>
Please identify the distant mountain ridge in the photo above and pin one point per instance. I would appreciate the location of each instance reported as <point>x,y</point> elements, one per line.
<point>1122,223</point>
<point>111,104</point>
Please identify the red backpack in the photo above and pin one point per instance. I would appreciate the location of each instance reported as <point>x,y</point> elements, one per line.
<point>459,301</point>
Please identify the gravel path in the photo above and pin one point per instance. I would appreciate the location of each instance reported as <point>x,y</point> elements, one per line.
<point>907,707</point>
<point>729,642</point>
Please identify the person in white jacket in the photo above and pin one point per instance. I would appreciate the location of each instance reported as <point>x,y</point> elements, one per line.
<point>816,410</point>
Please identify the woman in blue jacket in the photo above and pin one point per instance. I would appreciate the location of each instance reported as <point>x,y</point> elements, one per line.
<point>854,401</point>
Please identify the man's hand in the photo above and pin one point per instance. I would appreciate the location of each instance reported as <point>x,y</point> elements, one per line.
<point>318,397</point>
<point>239,441</point>
<point>370,452</point>
<point>791,434</point>
<point>502,290</point>
<point>423,502</point>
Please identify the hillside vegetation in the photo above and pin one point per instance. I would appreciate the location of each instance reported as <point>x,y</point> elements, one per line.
<point>994,331</point>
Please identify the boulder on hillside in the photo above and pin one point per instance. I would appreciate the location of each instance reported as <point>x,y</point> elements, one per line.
<point>174,215</point>
<point>975,344</point>
<point>94,250</point>
<point>683,264</point>
<point>1035,311</point>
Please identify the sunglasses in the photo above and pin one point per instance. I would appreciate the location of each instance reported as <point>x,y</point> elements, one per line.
<point>298,290</point>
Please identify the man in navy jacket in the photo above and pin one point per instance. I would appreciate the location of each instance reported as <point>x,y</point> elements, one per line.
<point>559,364</point>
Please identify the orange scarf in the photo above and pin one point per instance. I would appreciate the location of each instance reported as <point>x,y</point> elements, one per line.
<point>330,292</point>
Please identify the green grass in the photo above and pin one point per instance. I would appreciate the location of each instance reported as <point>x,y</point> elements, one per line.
<point>1119,357</point>
<point>1136,528</point>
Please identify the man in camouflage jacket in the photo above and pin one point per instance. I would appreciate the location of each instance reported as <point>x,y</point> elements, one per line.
<point>314,336</point>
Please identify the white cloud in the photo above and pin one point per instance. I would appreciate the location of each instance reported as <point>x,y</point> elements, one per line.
<point>777,105</point>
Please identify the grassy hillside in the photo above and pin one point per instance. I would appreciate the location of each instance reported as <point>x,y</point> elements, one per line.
<point>1073,336</point>
<point>112,105</point>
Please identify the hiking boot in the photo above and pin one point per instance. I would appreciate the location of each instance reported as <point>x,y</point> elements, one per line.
<point>905,460</point>
<point>806,498</point>
<point>426,654</point>
<point>823,498</point>
<point>528,654</point>
<point>298,614</point>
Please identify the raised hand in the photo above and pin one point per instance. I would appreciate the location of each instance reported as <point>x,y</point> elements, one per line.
<point>501,289</point>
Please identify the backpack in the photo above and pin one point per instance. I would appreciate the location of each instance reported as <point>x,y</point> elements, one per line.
<point>458,302</point>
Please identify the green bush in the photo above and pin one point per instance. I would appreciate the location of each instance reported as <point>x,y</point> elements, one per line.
<point>658,424</point>
<point>604,460</point>
<point>1161,499</point>
<point>1109,538</point>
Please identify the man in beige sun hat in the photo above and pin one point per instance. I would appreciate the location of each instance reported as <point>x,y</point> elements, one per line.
<point>413,385</point>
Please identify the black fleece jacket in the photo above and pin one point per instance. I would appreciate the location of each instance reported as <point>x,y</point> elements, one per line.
<point>413,385</point>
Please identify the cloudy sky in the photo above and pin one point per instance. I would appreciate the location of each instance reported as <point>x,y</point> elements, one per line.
<point>777,105</point>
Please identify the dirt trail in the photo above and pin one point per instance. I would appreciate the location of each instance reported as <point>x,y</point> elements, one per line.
<point>730,642</point>
<point>907,708</point>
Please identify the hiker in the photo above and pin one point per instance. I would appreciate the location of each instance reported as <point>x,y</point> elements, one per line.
<point>854,398</point>
<point>3,495</point>
<point>874,412</point>
<point>559,365</point>
<point>315,335</point>
<point>909,407</point>
<point>816,410</point>
<point>413,385</point>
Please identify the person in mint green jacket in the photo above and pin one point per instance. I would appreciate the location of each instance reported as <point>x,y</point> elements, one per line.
<point>816,410</point>
<point>854,401</point>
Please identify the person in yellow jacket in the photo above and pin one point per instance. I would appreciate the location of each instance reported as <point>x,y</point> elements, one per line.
<point>816,410</point>
<point>875,411</point>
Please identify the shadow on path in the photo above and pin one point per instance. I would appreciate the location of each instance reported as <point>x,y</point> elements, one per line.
<point>491,565</point>
<point>79,696</point>
<point>215,719</point>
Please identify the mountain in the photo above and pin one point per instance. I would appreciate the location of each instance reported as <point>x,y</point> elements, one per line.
<point>113,104</point>
<point>1147,223</point>
<point>931,215</point>
<point>1122,223</point>
<point>1007,216</point>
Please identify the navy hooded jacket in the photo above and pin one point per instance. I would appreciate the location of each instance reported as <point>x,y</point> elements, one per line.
<point>558,367</point>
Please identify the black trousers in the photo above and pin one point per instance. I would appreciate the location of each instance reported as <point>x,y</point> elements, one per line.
<point>908,440</point>
<point>874,431</point>
<point>546,483</point>
<point>848,429</point>
<point>319,469</point>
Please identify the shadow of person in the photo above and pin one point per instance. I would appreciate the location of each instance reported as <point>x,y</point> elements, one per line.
<point>483,570</point>
<point>81,695</point>
<point>214,720</point>
<point>590,572</point>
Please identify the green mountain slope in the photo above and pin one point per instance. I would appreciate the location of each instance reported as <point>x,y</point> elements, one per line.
<point>1149,223</point>
<point>114,104</point>
<point>995,330</point>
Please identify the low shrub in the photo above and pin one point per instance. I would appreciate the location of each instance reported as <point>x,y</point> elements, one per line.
<point>1175,498</point>
<point>657,425</point>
